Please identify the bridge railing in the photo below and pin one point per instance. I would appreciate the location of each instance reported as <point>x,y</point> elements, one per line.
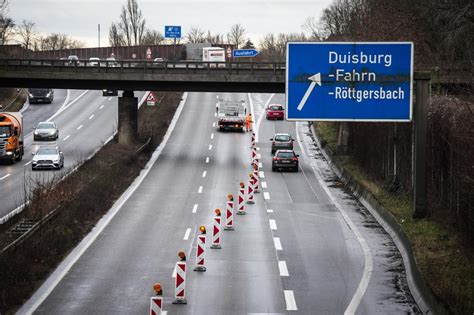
<point>142,66</point>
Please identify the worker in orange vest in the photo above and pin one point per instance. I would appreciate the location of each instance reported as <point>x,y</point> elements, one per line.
<point>248,122</point>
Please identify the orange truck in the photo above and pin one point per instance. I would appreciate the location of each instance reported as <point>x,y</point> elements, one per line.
<point>11,136</point>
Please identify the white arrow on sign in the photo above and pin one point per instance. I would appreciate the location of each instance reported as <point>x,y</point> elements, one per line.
<point>316,80</point>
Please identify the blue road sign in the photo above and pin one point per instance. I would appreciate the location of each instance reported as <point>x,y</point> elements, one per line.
<point>349,81</point>
<point>172,31</point>
<point>236,53</point>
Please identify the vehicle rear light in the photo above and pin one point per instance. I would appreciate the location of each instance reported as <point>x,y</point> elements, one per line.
<point>295,159</point>
<point>276,158</point>
<point>273,142</point>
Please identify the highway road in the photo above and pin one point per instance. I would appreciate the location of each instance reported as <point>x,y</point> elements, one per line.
<point>85,119</point>
<point>306,245</point>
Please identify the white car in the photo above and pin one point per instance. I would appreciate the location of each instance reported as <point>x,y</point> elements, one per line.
<point>47,157</point>
<point>46,130</point>
<point>94,61</point>
<point>111,62</point>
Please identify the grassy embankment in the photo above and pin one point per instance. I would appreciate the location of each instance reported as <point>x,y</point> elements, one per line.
<point>445,265</point>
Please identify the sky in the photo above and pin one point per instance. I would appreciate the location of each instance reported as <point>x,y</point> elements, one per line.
<point>80,19</point>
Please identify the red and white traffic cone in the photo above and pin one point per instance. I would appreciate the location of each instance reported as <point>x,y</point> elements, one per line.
<point>156,305</point>
<point>180,281</point>
<point>229,213</point>
<point>216,231</point>
<point>241,201</point>
<point>256,181</point>
<point>200,251</point>
<point>250,192</point>
<point>156,302</point>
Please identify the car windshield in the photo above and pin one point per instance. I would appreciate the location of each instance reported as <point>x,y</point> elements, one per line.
<point>5,131</point>
<point>47,151</point>
<point>285,155</point>
<point>45,126</point>
<point>282,138</point>
<point>38,91</point>
<point>276,107</point>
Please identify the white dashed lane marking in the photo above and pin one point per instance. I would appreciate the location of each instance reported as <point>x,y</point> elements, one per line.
<point>264,184</point>
<point>5,176</point>
<point>277,242</point>
<point>207,159</point>
<point>200,190</point>
<point>270,210</point>
<point>212,136</point>
<point>80,127</point>
<point>210,147</point>
<point>290,300</point>
<point>91,116</point>
<point>283,269</point>
<point>266,195</point>
<point>66,137</point>
<point>195,208</point>
<point>273,224</point>
<point>101,106</point>
<point>213,124</point>
<point>186,235</point>
<point>261,174</point>
<point>28,163</point>
<point>204,174</point>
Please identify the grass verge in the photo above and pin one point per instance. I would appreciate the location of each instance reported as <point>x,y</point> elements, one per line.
<point>81,200</point>
<point>446,266</point>
<point>12,100</point>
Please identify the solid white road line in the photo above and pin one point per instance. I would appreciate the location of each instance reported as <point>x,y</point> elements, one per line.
<point>290,300</point>
<point>368,261</point>
<point>58,274</point>
<point>91,116</point>
<point>3,177</point>
<point>186,235</point>
<point>266,195</point>
<point>207,159</point>
<point>283,268</point>
<point>277,242</point>
<point>270,210</point>
<point>210,147</point>
<point>212,136</point>
<point>66,137</point>
<point>80,127</point>
<point>204,174</point>
<point>259,121</point>
<point>273,224</point>
<point>28,163</point>
<point>200,190</point>
<point>101,106</point>
<point>264,184</point>
<point>261,174</point>
<point>195,207</point>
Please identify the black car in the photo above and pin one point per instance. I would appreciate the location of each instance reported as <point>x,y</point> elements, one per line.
<point>285,159</point>
<point>40,96</point>
<point>109,93</point>
<point>281,141</point>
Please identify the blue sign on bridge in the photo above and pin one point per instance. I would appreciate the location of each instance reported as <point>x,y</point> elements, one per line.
<point>244,53</point>
<point>172,31</point>
<point>340,81</point>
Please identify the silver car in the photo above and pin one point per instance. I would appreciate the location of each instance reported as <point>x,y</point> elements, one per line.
<point>47,157</point>
<point>46,130</point>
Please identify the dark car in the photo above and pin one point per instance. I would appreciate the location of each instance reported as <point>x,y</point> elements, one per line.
<point>285,159</point>
<point>275,111</point>
<point>40,96</point>
<point>281,141</point>
<point>46,130</point>
<point>109,92</point>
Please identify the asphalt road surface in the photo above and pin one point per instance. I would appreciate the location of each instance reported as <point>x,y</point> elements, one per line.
<point>85,120</point>
<point>306,246</point>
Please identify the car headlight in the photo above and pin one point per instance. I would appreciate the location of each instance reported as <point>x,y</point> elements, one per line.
<point>56,161</point>
<point>9,152</point>
<point>52,132</point>
<point>48,95</point>
<point>36,132</point>
<point>31,95</point>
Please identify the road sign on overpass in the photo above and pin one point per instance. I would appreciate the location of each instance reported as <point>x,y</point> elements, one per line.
<point>172,31</point>
<point>339,81</point>
<point>244,53</point>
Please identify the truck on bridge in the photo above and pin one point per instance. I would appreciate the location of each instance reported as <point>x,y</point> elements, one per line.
<point>11,136</point>
<point>231,114</point>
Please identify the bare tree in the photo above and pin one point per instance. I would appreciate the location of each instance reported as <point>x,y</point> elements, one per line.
<point>115,36</point>
<point>195,35</point>
<point>132,23</point>
<point>152,37</point>
<point>236,36</point>
<point>311,25</point>
<point>27,34</point>
<point>6,23</point>
<point>58,41</point>
<point>214,39</point>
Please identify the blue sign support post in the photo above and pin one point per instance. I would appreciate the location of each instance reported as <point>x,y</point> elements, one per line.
<point>337,81</point>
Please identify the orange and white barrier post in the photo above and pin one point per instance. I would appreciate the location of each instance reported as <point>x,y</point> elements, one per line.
<point>254,155</point>
<point>254,144</point>
<point>250,192</point>
<point>229,213</point>
<point>241,201</point>
<point>200,251</point>
<point>180,280</point>
<point>216,231</point>
<point>156,302</point>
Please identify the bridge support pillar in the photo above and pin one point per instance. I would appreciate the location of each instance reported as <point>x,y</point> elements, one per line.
<point>127,118</point>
